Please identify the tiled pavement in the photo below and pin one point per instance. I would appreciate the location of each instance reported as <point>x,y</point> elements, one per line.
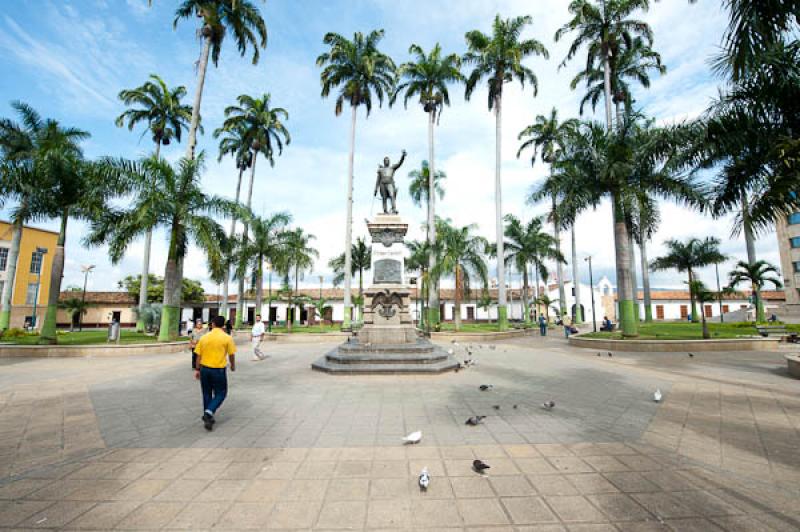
<point>116,444</point>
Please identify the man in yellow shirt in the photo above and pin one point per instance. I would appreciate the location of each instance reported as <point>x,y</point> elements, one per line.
<point>213,351</point>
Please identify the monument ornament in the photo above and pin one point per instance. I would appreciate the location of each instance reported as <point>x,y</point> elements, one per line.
<point>387,271</point>
<point>385,184</point>
<point>386,303</point>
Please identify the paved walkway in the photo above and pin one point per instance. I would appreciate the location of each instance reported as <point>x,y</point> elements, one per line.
<point>107,444</point>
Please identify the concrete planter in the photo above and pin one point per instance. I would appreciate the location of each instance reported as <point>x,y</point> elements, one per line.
<point>98,350</point>
<point>653,346</point>
<point>794,365</point>
<point>479,336</point>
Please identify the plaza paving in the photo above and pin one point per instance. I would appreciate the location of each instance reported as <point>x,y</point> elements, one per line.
<point>103,444</point>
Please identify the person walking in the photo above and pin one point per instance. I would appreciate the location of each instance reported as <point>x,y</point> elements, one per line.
<point>194,336</point>
<point>214,350</point>
<point>542,325</point>
<point>256,337</point>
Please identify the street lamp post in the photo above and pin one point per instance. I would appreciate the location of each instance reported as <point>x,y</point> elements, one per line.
<point>321,279</point>
<point>269,305</point>
<point>42,252</point>
<point>719,295</point>
<point>591,290</point>
<point>86,269</point>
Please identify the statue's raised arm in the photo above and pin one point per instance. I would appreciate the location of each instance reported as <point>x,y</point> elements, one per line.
<point>400,162</point>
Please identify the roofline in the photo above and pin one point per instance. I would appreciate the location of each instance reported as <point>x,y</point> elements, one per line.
<point>31,227</point>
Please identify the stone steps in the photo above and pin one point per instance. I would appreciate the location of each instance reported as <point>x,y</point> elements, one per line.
<point>384,368</point>
<point>386,358</point>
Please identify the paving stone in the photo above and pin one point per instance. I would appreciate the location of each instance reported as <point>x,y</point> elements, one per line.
<point>151,515</point>
<point>481,512</point>
<point>245,515</point>
<point>575,508</point>
<point>528,510</point>
<point>104,516</point>
<point>293,514</point>
<point>14,512</point>
<point>342,514</point>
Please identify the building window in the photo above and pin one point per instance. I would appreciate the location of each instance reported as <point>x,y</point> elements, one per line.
<point>794,218</point>
<point>471,313</point>
<point>725,309</point>
<point>684,312</point>
<point>2,287</point>
<point>3,259</point>
<point>32,294</point>
<point>796,266</point>
<point>573,291</point>
<point>659,312</point>
<point>37,258</point>
<point>707,310</point>
<point>794,242</point>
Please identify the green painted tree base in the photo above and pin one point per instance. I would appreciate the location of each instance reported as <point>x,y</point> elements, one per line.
<point>139,326</point>
<point>502,318</point>
<point>628,322</point>
<point>433,317</point>
<point>578,319</point>
<point>237,323</point>
<point>48,332</point>
<point>5,319</point>
<point>170,315</point>
<point>347,323</point>
<point>648,314</point>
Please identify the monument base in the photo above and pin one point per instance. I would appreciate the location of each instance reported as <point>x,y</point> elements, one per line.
<point>355,358</point>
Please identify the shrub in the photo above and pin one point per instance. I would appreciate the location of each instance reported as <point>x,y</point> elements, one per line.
<point>14,332</point>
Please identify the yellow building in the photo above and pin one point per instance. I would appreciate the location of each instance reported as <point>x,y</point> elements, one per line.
<point>34,267</point>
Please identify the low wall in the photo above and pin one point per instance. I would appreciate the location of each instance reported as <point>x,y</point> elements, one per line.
<point>98,350</point>
<point>794,365</point>
<point>479,336</point>
<point>653,346</point>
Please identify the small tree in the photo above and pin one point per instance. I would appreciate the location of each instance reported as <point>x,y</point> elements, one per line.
<point>75,307</point>
<point>703,295</point>
<point>757,274</point>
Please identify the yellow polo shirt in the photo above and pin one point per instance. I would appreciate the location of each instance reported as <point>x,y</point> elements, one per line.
<point>213,349</point>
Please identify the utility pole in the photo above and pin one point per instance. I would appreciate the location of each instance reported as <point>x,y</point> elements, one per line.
<point>591,290</point>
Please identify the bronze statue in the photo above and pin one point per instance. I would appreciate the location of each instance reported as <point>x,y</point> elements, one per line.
<point>385,183</point>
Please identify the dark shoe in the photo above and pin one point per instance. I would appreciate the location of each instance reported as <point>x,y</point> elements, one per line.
<point>208,421</point>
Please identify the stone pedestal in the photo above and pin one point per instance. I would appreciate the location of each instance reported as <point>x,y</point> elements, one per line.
<point>388,342</point>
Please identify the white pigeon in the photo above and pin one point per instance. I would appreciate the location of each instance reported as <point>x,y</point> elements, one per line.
<point>450,351</point>
<point>424,479</point>
<point>414,437</point>
<point>657,395</point>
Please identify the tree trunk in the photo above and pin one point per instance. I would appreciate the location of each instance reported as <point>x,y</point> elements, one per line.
<point>750,243</point>
<point>634,284</point>
<point>433,295</point>
<point>225,284</point>
<point>240,297</point>
<point>198,96</point>
<point>502,310</point>
<point>11,276</point>
<point>361,294</point>
<point>48,331</point>
<point>525,295</point>
<point>173,278</point>
<point>457,304</point>
<point>576,283</point>
<point>648,310</point>
<point>625,298</point>
<point>706,334</point>
<point>348,231</point>
<point>260,285</point>
<point>692,304</point>
<point>296,311</point>
<point>145,279</point>
<point>538,295</point>
<point>562,295</point>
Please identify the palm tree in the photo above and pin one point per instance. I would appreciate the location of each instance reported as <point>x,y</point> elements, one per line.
<point>297,256</point>
<point>703,295</point>
<point>526,245</point>
<point>235,142</point>
<point>160,108</point>
<point>758,274</point>
<point>220,17</point>
<point>361,261</point>
<point>171,197</point>
<point>462,255</point>
<point>420,179</point>
<point>427,77</point>
<point>687,257</point>
<point>418,260</point>
<point>35,151</point>
<point>499,58</point>
<point>75,307</point>
<point>604,29</point>
<point>266,242</point>
<point>264,127</point>
<point>360,70</point>
<point>547,136</point>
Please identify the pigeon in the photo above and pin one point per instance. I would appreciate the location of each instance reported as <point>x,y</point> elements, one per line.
<point>515,407</point>
<point>474,420</point>
<point>657,395</point>
<point>485,387</point>
<point>492,347</point>
<point>496,407</point>
<point>599,354</point>
<point>449,351</point>
<point>413,438</point>
<point>480,466</point>
<point>424,479</point>
<point>548,405</point>
<point>453,341</point>
<point>691,355</point>
<point>609,354</point>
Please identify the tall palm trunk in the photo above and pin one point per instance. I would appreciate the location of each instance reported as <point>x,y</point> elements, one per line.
<point>648,310</point>
<point>173,278</point>
<point>538,295</point>
<point>348,231</point>
<point>457,304</point>
<point>750,243</point>
<point>634,282</point>
<point>576,283</point>
<point>525,295</point>
<point>623,262</point>
<point>11,276</point>
<point>260,285</point>
<point>225,283</point>
<point>562,294</point>
<point>695,319</point>
<point>240,295</point>
<point>145,279</point>
<point>502,310</point>
<point>198,96</point>
<point>433,295</point>
<point>48,331</point>
<point>361,294</point>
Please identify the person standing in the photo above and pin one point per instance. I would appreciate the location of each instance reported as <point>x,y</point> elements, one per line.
<point>194,336</point>
<point>213,351</point>
<point>256,337</point>
<point>542,325</point>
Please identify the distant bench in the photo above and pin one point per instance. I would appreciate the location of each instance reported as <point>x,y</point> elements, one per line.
<point>776,330</point>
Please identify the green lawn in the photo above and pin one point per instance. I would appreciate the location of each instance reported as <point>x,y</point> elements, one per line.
<point>471,327</point>
<point>688,331</point>
<point>86,338</point>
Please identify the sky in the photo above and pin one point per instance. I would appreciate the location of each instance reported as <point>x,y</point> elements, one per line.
<point>70,58</point>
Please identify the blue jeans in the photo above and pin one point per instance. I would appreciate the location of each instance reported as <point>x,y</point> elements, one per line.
<point>214,383</point>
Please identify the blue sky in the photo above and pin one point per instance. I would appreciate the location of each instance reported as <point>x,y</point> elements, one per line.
<point>70,58</point>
